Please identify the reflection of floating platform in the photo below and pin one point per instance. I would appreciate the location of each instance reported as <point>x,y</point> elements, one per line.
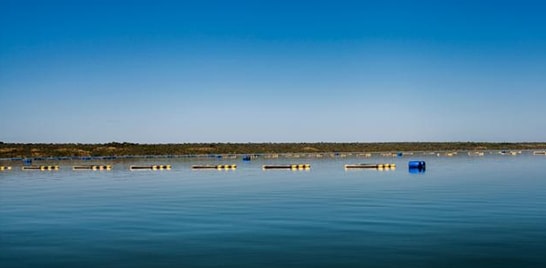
<point>41,168</point>
<point>93,167</point>
<point>217,167</point>
<point>291,167</point>
<point>2,168</point>
<point>154,167</point>
<point>370,166</point>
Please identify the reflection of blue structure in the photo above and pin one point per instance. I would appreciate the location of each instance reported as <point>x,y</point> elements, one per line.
<point>417,166</point>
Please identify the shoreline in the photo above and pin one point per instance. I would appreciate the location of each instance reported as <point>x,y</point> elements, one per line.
<point>114,150</point>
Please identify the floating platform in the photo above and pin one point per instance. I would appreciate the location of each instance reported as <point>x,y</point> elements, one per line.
<point>153,167</point>
<point>291,167</point>
<point>217,167</point>
<point>41,168</point>
<point>92,167</point>
<point>511,153</point>
<point>539,153</point>
<point>476,153</point>
<point>370,166</point>
<point>5,168</point>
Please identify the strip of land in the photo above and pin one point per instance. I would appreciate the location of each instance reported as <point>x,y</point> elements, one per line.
<point>16,150</point>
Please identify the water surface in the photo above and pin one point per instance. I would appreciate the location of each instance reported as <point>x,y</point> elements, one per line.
<point>463,212</point>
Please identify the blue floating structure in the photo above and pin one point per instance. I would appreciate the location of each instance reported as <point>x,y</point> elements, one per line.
<point>27,161</point>
<point>246,158</point>
<point>417,166</point>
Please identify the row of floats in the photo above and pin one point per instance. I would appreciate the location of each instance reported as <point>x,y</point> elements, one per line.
<point>420,165</point>
<point>248,157</point>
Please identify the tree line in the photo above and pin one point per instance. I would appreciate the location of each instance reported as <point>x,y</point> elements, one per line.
<point>12,150</point>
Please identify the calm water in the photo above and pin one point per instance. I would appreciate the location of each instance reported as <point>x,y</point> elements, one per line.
<point>463,212</point>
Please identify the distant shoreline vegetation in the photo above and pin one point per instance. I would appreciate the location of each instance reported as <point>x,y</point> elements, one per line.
<point>14,150</point>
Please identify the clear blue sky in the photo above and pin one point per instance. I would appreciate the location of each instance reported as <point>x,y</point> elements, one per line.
<point>272,71</point>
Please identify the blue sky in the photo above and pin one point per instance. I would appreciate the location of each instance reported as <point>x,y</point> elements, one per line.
<point>272,71</point>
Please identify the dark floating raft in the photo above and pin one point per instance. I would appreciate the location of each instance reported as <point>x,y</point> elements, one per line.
<point>92,167</point>
<point>217,167</point>
<point>291,167</point>
<point>41,168</point>
<point>153,167</point>
<point>370,166</point>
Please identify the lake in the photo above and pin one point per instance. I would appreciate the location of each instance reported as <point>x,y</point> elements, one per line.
<point>463,211</point>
